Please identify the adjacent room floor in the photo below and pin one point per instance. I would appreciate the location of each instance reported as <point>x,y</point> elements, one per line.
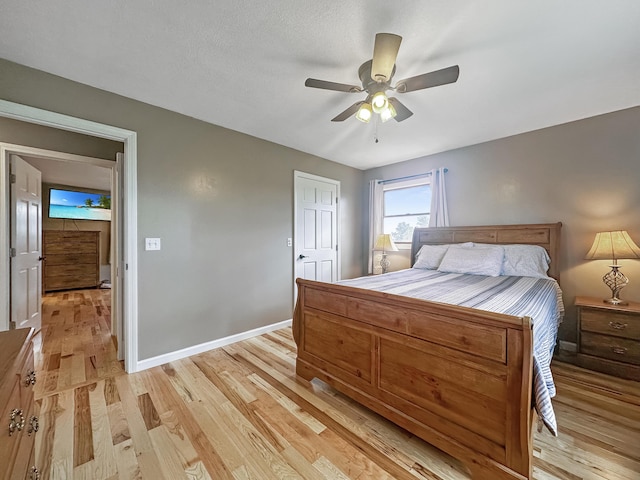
<point>240,412</point>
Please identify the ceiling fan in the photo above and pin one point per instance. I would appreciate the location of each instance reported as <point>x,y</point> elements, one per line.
<point>376,75</point>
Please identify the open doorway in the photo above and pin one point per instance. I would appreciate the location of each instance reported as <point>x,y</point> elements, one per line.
<point>126,180</point>
<point>75,236</point>
<point>75,230</point>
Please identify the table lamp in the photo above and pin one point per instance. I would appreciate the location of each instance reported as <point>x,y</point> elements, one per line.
<point>614,245</point>
<point>384,244</point>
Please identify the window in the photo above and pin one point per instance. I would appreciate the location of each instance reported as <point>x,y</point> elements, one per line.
<point>406,205</point>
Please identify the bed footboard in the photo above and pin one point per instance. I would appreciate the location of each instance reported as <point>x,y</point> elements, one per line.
<point>456,377</point>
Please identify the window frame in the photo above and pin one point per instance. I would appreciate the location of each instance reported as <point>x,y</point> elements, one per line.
<point>398,185</point>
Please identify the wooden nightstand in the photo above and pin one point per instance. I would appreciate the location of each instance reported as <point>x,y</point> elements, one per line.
<point>609,337</point>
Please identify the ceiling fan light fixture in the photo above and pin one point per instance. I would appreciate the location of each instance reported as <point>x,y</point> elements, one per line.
<point>364,113</point>
<point>388,113</point>
<point>379,102</point>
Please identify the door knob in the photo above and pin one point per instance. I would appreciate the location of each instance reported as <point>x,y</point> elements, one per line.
<point>300,257</point>
<point>41,258</point>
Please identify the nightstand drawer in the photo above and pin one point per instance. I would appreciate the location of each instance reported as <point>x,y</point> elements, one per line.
<point>613,348</point>
<point>611,323</point>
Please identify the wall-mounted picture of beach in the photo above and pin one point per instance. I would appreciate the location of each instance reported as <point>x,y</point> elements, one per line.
<point>77,205</point>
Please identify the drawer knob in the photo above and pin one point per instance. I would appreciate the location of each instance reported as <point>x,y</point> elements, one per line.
<point>619,350</point>
<point>617,325</point>
<point>34,474</point>
<point>34,425</point>
<point>30,379</point>
<point>16,421</point>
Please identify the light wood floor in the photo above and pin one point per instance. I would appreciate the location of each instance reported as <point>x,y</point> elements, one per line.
<point>240,412</point>
<point>74,347</point>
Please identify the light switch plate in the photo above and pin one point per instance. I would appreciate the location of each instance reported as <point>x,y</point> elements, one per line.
<point>152,244</point>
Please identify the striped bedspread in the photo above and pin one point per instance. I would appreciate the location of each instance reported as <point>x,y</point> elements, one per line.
<point>538,298</point>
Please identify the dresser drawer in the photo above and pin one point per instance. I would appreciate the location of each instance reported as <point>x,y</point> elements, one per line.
<point>71,259</point>
<point>27,378</point>
<point>65,282</point>
<point>18,420</point>
<point>24,455</point>
<point>613,348</point>
<point>9,419</point>
<point>611,323</point>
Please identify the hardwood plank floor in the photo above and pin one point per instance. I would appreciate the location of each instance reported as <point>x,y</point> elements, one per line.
<point>240,412</point>
<point>74,347</point>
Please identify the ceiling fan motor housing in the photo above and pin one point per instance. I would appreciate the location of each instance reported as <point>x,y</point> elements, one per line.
<point>370,85</point>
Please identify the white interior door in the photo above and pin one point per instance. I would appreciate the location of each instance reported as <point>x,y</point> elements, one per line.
<point>316,228</point>
<point>26,244</point>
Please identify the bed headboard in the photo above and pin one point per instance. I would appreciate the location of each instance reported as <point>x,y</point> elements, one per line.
<point>546,235</point>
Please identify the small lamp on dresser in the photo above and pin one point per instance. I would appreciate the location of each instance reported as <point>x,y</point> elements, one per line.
<point>384,244</point>
<point>614,246</point>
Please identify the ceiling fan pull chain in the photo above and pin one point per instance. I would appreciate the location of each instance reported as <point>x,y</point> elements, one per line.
<point>375,133</point>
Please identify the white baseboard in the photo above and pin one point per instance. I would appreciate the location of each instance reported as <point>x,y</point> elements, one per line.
<point>568,346</point>
<point>203,347</point>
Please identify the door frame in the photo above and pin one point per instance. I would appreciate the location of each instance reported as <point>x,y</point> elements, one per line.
<point>38,116</point>
<point>297,174</point>
<point>8,149</point>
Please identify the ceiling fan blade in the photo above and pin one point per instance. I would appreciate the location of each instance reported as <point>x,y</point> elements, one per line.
<point>339,87</point>
<point>385,52</point>
<point>402,112</point>
<point>341,117</point>
<point>428,80</point>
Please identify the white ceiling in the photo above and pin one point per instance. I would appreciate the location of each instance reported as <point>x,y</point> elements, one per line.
<point>242,64</point>
<point>72,174</point>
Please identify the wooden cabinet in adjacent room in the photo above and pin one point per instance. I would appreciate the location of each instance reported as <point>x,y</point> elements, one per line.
<point>71,259</point>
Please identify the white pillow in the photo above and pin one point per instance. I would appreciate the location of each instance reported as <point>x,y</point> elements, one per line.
<point>475,260</point>
<point>525,261</point>
<point>430,256</point>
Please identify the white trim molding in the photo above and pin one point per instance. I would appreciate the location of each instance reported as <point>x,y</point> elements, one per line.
<point>38,116</point>
<point>204,347</point>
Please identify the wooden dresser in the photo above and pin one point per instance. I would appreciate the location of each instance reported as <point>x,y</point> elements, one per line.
<point>71,259</point>
<point>18,421</point>
<point>609,337</point>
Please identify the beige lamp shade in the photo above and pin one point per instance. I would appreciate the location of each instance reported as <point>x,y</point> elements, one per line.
<point>384,243</point>
<point>613,246</point>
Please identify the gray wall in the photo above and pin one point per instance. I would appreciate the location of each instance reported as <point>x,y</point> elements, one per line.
<point>221,202</point>
<point>38,136</point>
<point>585,174</point>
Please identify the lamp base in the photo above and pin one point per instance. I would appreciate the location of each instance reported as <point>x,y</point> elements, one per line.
<point>616,281</point>
<point>384,263</point>
<point>615,301</point>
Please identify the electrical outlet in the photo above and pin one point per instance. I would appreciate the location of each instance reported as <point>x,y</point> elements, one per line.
<point>289,242</point>
<point>152,244</point>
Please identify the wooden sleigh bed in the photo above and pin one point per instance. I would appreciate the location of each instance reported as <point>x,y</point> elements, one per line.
<point>457,377</point>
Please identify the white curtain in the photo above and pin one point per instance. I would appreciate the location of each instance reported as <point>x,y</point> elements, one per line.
<point>376,205</point>
<point>439,212</point>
